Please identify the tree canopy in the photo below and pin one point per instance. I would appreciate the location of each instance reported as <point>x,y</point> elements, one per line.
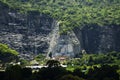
<point>73,13</point>
<point>7,54</point>
<point>53,63</point>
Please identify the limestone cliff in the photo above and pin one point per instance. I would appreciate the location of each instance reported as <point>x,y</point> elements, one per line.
<point>96,39</point>
<point>33,32</point>
<point>27,33</point>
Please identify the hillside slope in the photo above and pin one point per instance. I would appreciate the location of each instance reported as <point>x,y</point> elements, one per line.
<point>73,13</point>
<point>95,22</point>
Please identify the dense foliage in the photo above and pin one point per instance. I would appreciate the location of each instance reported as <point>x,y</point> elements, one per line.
<point>73,13</point>
<point>111,58</point>
<point>7,54</point>
<point>104,72</point>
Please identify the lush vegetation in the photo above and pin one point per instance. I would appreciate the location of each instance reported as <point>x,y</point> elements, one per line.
<point>73,13</point>
<point>104,72</point>
<point>111,58</point>
<point>7,54</point>
<point>87,67</point>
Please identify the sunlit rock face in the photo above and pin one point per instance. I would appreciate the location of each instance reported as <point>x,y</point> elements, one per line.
<point>66,45</point>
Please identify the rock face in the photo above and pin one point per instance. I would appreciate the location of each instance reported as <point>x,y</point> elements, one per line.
<point>26,33</point>
<point>35,33</point>
<point>66,45</point>
<point>97,39</point>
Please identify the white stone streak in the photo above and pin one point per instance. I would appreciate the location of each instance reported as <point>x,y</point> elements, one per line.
<point>54,37</point>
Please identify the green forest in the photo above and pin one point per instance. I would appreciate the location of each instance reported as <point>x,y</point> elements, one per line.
<point>7,54</point>
<point>73,13</point>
